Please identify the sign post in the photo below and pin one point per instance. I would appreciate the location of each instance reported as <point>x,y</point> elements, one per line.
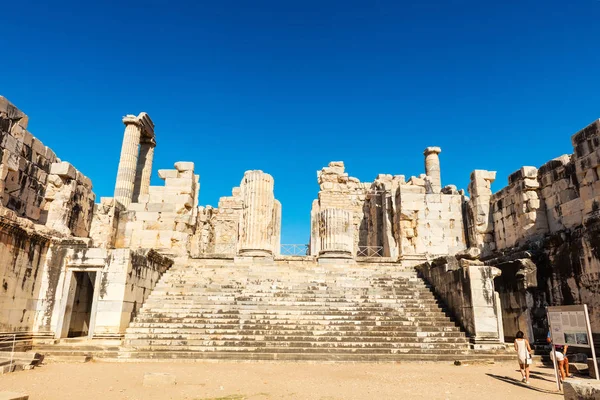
<point>570,326</point>
<point>589,330</point>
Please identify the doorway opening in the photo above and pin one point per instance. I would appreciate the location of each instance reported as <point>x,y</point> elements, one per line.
<point>78,311</point>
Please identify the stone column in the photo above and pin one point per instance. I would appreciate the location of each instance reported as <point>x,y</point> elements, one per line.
<point>432,168</point>
<point>257,214</point>
<point>144,168</point>
<point>276,237</point>
<point>128,161</point>
<point>335,232</point>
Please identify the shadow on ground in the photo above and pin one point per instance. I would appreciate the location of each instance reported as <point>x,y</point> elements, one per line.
<point>516,382</point>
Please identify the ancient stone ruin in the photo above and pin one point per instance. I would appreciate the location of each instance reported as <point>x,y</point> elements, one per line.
<point>395,269</point>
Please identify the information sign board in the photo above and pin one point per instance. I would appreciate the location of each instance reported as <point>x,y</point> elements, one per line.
<point>569,326</point>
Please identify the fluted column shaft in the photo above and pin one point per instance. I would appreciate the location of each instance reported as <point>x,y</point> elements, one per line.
<point>128,161</point>
<point>335,232</point>
<point>144,168</point>
<point>432,168</point>
<point>257,216</point>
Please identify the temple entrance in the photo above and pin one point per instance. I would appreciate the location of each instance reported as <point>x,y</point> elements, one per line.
<point>79,304</point>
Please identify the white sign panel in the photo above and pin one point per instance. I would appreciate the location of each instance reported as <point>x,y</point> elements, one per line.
<point>569,326</point>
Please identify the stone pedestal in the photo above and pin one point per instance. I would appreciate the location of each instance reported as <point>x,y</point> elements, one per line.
<point>257,226</point>
<point>128,161</point>
<point>432,167</point>
<point>335,233</point>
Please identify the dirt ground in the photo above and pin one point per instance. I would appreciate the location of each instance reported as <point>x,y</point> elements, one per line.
<point>261,381</point>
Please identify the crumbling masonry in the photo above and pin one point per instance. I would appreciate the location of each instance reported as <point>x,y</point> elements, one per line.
<point>70,267</point>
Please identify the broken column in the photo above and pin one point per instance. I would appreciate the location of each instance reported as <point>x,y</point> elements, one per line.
<point>144,167</point>
<point>256,228</point>
<point>276,236</point>
<point>480,225</point>
<point>432,167</point>
<point>128,161</point>
<point>335,232</point>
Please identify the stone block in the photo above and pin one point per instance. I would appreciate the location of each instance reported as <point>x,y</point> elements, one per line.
<point>529,172</point>
<point>64,170</point>
<point>167,173</point>
<point>137,207</point>
<point>183,166</point>
<point>483,174</point>
<point>38,147</point>
<point>581,390</point>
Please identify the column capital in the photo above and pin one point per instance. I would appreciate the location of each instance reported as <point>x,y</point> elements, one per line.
<point>432,150</point>
<point>132,120</point>
<point>150,141</point>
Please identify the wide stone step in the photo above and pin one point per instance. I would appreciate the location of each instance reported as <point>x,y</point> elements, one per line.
<point>398,316</point>
<point>231,314</point>
<point>290,282</point>
<point>303,285</point>
<point>158,319</point>
<point>321,349</point>
<point>347,357</point>
<point>294,304</point>
<point>297,327</point>
<point>200,344</point>
<point>186,332</point>
<point>202,338</point>
<point>350,306</point>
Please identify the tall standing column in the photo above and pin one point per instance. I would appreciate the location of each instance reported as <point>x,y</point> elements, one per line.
<point>257,214</point>
<point>144,168</point>
<point>335,232</point>
<point>128,161</point>
<point>432,168</point>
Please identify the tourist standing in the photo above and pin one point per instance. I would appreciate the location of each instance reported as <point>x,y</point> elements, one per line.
<point>561,359</point>
<point>524,355</point>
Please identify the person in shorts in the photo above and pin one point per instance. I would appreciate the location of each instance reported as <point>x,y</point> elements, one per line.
<point>561,359</point>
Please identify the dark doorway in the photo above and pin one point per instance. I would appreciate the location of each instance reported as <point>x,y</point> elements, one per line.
<point>81,304</point>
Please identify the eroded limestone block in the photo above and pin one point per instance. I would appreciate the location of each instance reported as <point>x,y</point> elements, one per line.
<point>64,170</point>
<point>581,390</point>
<point>182,166</point>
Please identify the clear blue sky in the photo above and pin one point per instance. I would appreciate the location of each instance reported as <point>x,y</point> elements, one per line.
<point>287,86</point>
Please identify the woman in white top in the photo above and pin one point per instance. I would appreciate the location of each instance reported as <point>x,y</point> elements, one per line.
<point>523,353</point>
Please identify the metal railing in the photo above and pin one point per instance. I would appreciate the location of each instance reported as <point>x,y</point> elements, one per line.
<point>8,338</point>
<point>297,250</point>
<point>370,251</point>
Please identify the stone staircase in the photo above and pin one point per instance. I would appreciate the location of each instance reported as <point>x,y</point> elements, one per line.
<point>295,312</point>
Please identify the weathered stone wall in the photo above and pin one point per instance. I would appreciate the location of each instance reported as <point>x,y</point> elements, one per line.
<point>560,194</point>
<point>227,223</point>
<point>392,217</point>
<point>429,223</point>
<point>479,222</point>
<point>126,279</point>
<point>545,230</point>
<point>467,288</point>
<point>518,212</point>
<point>219,230</point>
<point>338,190</point>
<point>35,184</point>
<point>164,219</point>
<point>22,258</point>
<point>69,201</point>
<point>105,222</point>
